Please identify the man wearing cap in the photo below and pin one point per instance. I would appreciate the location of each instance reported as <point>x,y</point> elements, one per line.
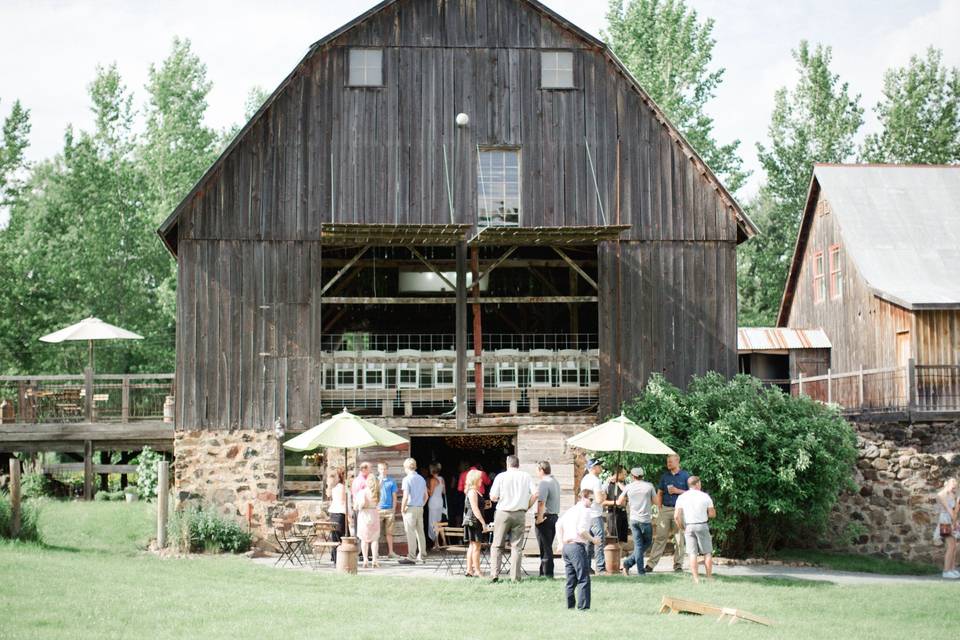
<point>592,482</point>
<point>641,495</point>
<point>673,484</point>
<point>693,513</point>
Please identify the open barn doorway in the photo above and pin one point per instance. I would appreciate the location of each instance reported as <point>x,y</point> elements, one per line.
<point>457,453</point>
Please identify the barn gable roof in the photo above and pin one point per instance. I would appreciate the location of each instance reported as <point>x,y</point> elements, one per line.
<point>745,227</point>
<point>900,225</point>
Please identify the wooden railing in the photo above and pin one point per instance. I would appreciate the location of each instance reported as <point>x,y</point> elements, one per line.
<point>87,397</point>
<point>920,388</point>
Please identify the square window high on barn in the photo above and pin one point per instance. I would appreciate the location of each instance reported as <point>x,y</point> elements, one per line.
<point>556,69</point>
<point>498,188</point>
<point>366,68</point>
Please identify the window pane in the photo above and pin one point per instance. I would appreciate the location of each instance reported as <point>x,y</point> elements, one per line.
<point>556,69</point>
<point>366,67</point>
<point>498,188</point>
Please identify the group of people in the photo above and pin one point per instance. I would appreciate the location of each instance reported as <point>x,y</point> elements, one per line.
<point>677,508</point>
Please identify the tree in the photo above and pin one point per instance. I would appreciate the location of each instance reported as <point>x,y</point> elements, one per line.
<point>814,122</point>
<point>919,114</point>
<point>668,49</point>
<point>13,146</point>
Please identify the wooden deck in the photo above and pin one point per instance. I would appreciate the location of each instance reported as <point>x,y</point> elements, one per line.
<point>73,436</point>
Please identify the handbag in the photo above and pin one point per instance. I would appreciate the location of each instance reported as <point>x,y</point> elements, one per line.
<point>946,530</point>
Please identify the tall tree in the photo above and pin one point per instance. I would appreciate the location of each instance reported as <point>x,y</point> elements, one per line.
<point>814,122</point>
<point>919,114</point>
<point>13,146</point>
<point>669,50</point>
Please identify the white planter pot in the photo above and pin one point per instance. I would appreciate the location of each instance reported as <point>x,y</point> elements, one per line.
<point>131,497</point>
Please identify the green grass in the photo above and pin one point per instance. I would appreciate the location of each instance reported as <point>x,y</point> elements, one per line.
<point>851,562</point>
<point>90,581</point>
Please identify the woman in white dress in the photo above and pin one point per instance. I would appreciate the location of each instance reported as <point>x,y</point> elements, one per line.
<point>368,522</point>
<point>947,527</point>
<point>436,503</point>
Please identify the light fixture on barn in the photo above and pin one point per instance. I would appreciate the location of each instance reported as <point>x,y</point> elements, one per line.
<point>462,120</point>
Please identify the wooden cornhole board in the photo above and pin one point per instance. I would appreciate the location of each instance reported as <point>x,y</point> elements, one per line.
<point>678,605</point>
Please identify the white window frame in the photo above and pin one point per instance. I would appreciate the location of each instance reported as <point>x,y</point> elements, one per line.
<point>556,70</point>
<point>488,192</point>
<point>361,60</point>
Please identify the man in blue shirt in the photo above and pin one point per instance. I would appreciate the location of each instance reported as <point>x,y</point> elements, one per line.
<point>414,497</point>
<point>388,489</point>
<point>673,484</point>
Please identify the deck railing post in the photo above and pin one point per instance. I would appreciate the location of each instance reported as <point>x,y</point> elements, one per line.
<point>88,390</point>
<point>861,386</point>
<point>163,496</point>
<point>125,400</point>
<point>911,384</point>
<point>829,387</point>
<point>15,496</point>
<point>800,384</point>
<point>87,469</point>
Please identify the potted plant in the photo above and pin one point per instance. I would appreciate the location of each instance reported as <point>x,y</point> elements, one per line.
<point>130,494</point>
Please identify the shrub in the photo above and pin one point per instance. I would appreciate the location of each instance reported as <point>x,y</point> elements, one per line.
<point>147,473</point>
<point>29,519</point>
<point>773,464</point>
<point>38,485</point>
<point>195,528</point>
<point>109,496</point>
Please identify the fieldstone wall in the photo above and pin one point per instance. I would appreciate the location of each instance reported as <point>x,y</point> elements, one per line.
<point>237,473</point>
<point>900,468</point>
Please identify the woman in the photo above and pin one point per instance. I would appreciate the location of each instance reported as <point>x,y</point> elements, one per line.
<point>436,503</point>
<point>337,492</point>
<point>616,514</point>
<point>473,522</point>
<point>368,521</point>
<point>947,527</point>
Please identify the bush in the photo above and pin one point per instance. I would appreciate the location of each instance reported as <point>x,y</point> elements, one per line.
<point>109,496</point>
<point>773,464</point>
<point>29,519</point>
<point>195,528</point>
<point>147,473</point>
<point>38,485</point>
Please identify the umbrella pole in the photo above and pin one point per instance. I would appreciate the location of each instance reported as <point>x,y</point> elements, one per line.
<point>90,353</point>
<point>346,491</point>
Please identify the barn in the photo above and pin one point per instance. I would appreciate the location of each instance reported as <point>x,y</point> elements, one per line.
<point>463,219</point>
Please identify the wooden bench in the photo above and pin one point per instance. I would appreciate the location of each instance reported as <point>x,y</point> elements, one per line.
<point>534,394</point>
<point>344,397</point>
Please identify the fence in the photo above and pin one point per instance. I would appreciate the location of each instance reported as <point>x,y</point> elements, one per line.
<point>913,387</point>
<point>84,398</point>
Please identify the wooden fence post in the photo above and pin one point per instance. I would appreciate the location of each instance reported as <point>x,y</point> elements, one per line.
<point>88,390</point>
<point>829,387</point>
<point>125,400</point>
<point>800,384</point>
<point>911,384</point>
<point>15,496</point>
<point>87,469</point>
<point>861,385</point>
<point>163,496</point>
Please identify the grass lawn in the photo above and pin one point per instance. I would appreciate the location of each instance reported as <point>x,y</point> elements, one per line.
<point>90,580</point>
<point>852,562</point>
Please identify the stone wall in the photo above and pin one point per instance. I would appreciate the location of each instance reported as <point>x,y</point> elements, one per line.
<point>900,468</point>
<point>238,474</point>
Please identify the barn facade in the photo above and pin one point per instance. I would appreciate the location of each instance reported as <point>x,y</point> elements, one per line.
<point>462,218</point>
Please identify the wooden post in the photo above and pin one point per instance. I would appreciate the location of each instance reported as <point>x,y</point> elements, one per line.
<point>799,384</point>
<point>911,384</point>
<point>829,387</point>
<point>461,339</point>
<point>477,328</point>
<point>15,496</point>
<point>125,400</point>
<point>861,385</point>
<point>87,469</point>
<point>88,390</point>
<point>163,498</point>
<point>23,406</point>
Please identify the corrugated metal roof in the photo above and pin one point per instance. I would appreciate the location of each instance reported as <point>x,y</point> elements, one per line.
<point>901,227</point>
<point>780,338</point>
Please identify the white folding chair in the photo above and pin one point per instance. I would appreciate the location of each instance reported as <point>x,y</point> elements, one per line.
<point>408,369</point>
<point>345,370</point>
<point>374,373</point>
<point>444,372</point>
<point>540,368</point>
<point>568,367</point>
<point>507,370</point>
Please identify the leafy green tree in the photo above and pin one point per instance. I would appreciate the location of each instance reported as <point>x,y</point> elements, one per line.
<point>919,114</point>
<point>13,146</point>
<point>669,50</point>
<point>816,121</point>
<point>773,464</point>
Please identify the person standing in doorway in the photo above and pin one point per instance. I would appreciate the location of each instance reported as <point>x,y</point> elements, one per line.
<point>414,497</point>
<point>548,510</point>
<point>592,481</point>
<point>387,506</point>
<point>573,527</point>
<point>673,484</point>
<point>693,512</point>
<point>514,492</point>
<point>436,502</point>
<point>641,495</point>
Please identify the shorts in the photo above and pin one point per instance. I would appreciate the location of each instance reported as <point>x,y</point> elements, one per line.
<point>697,537</point>
<point>387,518</point>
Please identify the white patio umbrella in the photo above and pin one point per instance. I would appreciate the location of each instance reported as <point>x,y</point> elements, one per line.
<point>91,329</point>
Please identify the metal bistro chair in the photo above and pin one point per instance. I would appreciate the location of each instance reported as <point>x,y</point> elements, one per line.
<point>292,547</point>
<point>450,553</point>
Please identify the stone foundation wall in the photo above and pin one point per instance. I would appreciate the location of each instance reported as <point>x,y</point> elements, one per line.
<point>900,468</point>
<point>237,473</point>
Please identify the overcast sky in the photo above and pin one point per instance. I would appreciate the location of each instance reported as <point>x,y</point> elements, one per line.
<point>50,48</point>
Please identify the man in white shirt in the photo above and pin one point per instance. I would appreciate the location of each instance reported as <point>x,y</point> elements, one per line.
<point>693,512</point>
<point>641,495</point>
<point>592,481</point>
<point>573,529</point>
<point>514,492</point>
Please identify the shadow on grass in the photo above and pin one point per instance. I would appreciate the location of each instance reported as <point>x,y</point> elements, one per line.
<point>776,581</point>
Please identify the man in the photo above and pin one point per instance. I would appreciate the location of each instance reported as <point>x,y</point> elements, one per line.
<point>672,485</point>
<point>641,495</point>
<point>484,479</point>
<point>592,481</point>
<point>574,531</point>
<point>615,514</point>
<point>514,492</point>
<point>357,488</point>
<point>388,489</point>
<point>693,512</point>
<point>414,498</point>
<point>548,508</point>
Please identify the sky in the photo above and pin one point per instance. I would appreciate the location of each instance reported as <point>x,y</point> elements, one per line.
<point>50,49</point>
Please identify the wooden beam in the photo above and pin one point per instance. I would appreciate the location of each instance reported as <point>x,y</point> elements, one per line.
<point>450,265</point>
<point>440,275</point>
<point>461,337</point>
<point>15,496</point>
<point>163,500</point>
<point>440,300</point>
<point>87,470</point>
<point>477,329</point>
<point>576,267</point>
<point>343,270</point>
<point>497,263</point>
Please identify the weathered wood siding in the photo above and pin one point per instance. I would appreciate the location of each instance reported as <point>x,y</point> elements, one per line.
<point>248,241</point>
<point>938,337</point>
